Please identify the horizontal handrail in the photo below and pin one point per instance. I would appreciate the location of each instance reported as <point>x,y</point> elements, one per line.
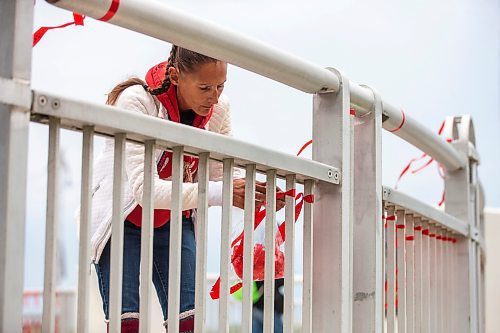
<point>433,214</point>
<point>164,22</point>
<point>111,120</point>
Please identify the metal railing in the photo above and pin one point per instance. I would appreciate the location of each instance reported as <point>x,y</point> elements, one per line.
<point>345,263</point>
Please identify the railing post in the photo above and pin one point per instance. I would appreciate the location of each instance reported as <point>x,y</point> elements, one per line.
<point>332,246</point>
<point>368,229</point>
<point>16,24</point>
<point>461,194</point>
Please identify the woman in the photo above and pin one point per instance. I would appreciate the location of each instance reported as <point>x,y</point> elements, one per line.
<point>186,89</point>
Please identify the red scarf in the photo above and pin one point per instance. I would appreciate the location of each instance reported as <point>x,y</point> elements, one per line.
<point>154,79</point>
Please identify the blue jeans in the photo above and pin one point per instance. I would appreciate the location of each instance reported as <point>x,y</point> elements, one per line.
<point>258,321</point>
<point>131,268</point>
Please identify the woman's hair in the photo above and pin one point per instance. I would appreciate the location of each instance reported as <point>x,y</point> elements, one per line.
<point>184,60</point>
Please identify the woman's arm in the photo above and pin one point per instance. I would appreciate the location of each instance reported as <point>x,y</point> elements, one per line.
<point>136,99</point>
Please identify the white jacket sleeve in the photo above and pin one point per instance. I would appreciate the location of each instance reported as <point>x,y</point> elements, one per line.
<point>136,99</point>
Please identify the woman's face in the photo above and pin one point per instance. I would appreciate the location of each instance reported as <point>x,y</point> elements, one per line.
<point>201,89</point>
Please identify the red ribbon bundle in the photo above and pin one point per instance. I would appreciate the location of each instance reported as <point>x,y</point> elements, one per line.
<point>259,250</point>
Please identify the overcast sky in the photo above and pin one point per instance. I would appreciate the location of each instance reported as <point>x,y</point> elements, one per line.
<point>433,59</point>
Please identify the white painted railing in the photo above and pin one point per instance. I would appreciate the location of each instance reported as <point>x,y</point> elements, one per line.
<point>343,249</point>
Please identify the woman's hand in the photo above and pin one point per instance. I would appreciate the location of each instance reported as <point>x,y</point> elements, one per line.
<point>260,194</point>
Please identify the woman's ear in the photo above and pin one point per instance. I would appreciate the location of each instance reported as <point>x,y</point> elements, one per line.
<point>174,75</point>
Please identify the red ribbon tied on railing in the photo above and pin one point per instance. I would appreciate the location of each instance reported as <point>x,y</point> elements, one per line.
<point>259,254</point>
<point>260,214</point>
<point>429,161</point>
<point>77,20</point>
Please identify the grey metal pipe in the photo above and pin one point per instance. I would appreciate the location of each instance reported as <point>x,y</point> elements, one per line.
<point>161,21</point>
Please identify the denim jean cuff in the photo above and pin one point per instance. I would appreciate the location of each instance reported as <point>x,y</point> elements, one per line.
<point>126,315</point>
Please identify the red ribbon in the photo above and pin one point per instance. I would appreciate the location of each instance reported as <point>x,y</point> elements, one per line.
<point>400,125</point>
<point>352,112</point>
<point>410,238</point>
<point>425,232</point>
<point>37,36</point>
<point>304,147</point>
<point>77,20</point>
<point>111,11</point>
<point>259,216</point>
<point>400,226</point>
<point>441,202</point>
<point>425,165</point>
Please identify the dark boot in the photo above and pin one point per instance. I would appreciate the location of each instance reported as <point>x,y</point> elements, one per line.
<point>130,325</point>
<point>186,322</point>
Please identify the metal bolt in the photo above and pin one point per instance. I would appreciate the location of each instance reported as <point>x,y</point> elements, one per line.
<point>42,100</point>
<point>330,173</point>
<point>56,104</point>
<point>336,176</point>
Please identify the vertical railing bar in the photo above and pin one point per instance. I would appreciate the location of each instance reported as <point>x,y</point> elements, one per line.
<point>479,302</point>
<point>433,278</point>
<point>269,246</point>
<point>474,254</point>
<point>440,291</point>
<point>227,204</point>
<point>333,129</point>
<point>117,227</point>
<point>454,283</point>
<point>418,272</point>
<point>391,270</point>
<point>410,277</point>
<point>401,270</point>
<point>16,26</point>
<point>473,284</point>
<point>448,282</point>
<point>307,261</point>
<point>147,239</point>
<point>82,309</point>
<point>426,303</point>
<point>201,244</point>
<point>52,221</point>
<point>289,256</point>
<point>367,249</point>
<point>248,246</point>
<point>174,269</point>
<point>385,269</point>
